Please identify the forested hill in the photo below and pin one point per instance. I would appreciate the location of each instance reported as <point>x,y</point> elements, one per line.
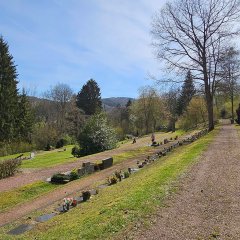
<point>108,103</point>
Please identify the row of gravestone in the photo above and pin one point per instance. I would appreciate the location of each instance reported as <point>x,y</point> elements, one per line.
<point>171,145</point>
<point>107,163</point>
<point>87,168</point>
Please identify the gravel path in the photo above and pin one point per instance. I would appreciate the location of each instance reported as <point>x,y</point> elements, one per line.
<point>207,205</point>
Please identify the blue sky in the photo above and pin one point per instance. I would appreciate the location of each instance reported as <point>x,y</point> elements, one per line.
<point>71,41</point>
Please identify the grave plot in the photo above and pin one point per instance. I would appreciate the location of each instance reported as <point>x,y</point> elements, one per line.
<point>87,168</point>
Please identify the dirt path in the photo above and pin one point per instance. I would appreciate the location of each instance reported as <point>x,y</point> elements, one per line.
<point>32,175</point>
<point>207,205</point>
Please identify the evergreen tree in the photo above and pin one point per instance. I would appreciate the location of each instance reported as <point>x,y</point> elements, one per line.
<point>89,98</point>
<point>24,118</point>
<point>187,92</point>
<point>8,94</point>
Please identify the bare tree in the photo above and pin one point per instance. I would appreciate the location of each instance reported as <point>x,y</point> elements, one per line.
<point>147,109</point>
<point>61,94</point>
<point>190,35</point>
<point>230,72</point>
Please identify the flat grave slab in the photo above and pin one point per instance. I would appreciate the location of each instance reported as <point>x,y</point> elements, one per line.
<point>21,229</point>
<point>45,217</point>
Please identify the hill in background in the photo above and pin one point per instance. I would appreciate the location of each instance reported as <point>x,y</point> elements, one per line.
<point>108,103</point>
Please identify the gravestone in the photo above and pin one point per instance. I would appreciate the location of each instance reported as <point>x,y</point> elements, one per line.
<point>32,155</point>
<point>108,162</point>
<point>20,229</point>
<point>45,217</point>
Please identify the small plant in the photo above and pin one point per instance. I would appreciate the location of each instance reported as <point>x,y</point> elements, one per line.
<point>60,178</point>
<point>112,180</point>
<point>118,175</point>
<point>86,195</point>
<point>126,174</point>
<point>74,175</point>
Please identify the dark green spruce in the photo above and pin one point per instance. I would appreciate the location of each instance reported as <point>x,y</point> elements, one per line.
<point>15,118</point>
<point>187,92</point>
<point>89,98</point>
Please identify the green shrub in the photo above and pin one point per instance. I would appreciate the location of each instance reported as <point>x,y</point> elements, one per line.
<point>60,178</point>
<point>76,151</point>
<point>48,147</point>
<point>60,143</point>
<point>74,175</point>
<point>126,174</point>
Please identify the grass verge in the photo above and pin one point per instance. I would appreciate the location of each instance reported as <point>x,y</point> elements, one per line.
<point>121,205</point>
<point>50,159</point>
<point>23,194</point>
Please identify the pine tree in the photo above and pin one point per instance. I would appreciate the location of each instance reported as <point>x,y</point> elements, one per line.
<point>89,98</point>
<point>187,92</point>
<point>24,118</point>
<point>8,93</point>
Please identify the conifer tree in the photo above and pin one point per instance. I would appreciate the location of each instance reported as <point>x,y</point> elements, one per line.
<point>187,92</point>
<point>89,98</point>
<point>8,93</point>
<point>24,118</point>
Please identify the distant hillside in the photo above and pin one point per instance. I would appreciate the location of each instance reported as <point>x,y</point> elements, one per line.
<point>116,101</point>
<point>108,103</point>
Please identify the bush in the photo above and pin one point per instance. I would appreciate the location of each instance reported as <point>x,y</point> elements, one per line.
<point>76,151</point>
<point>112,180</point>
<point>96,136</point>
<point>9,167</point>
<point>48,147</point>
<point>60,143</point>
<point>74,175</point>
<point>118,175</point>
<point>60,178</point>
<point>86,195</point>
<point>126,174</point>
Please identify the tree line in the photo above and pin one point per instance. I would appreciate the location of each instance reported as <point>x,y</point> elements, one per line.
<point>192,38</point>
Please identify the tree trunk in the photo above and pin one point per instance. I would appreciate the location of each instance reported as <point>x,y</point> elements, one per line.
<point>232,108</point>
<point>209,99</point>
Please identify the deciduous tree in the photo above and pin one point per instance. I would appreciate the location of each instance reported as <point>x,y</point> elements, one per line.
<point>190,35</point>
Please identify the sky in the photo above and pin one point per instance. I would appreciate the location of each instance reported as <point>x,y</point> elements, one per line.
<point>71,41</point>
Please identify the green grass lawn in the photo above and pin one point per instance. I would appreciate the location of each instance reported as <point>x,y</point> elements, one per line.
<point>23,194</point>
<point>50,158</point>
<point>45,159</point>
<point>122,205</point>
